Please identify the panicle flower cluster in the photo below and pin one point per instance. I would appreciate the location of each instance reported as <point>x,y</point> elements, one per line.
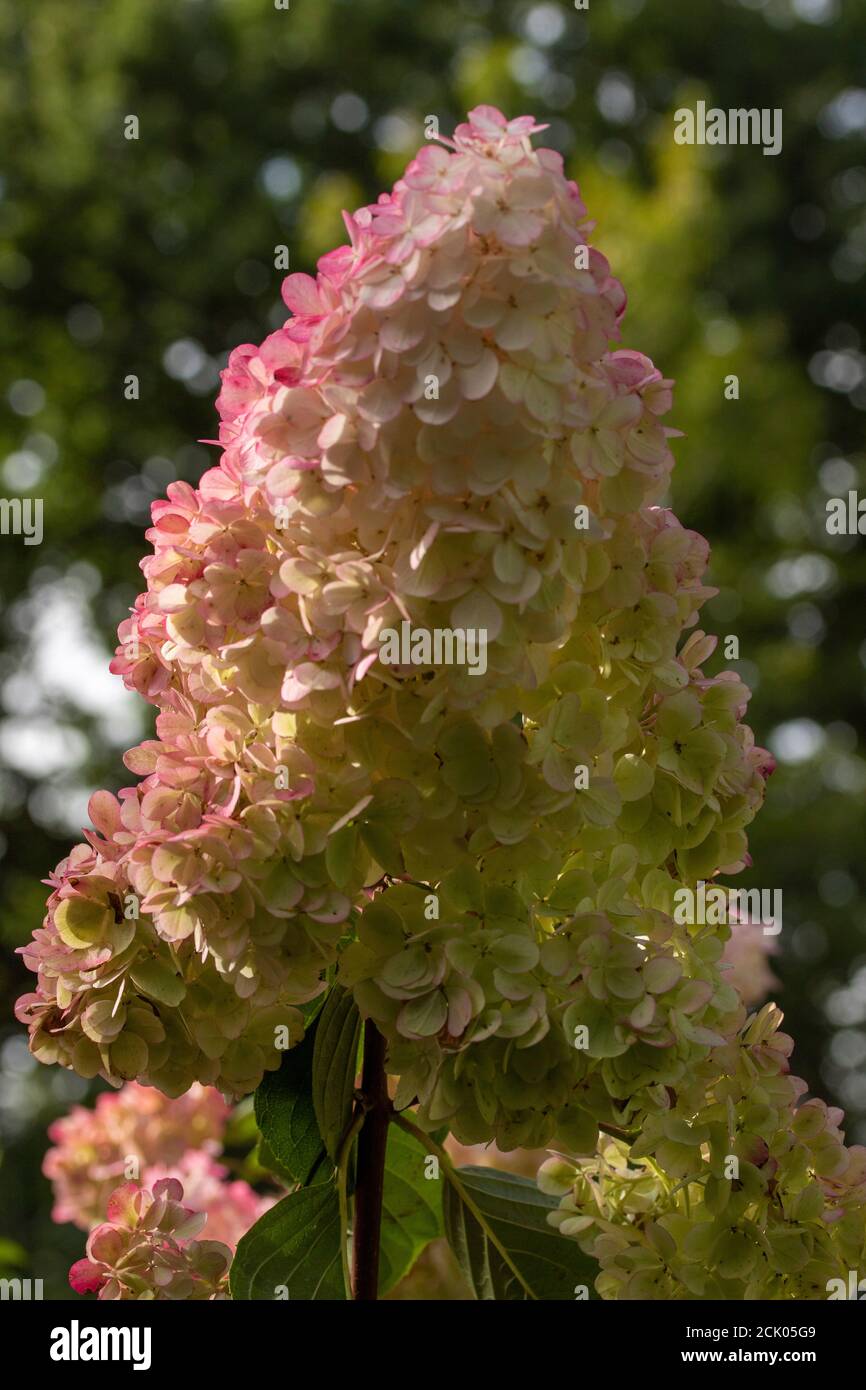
<point>137,1130</point>
<point>441,436</point>
<point>147,1249</point>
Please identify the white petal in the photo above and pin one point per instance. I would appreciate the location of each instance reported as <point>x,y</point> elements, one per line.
<point>478,380</point>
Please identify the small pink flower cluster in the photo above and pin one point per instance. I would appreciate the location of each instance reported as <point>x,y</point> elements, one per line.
<point>139,1133</point>
<point>147,1249</point>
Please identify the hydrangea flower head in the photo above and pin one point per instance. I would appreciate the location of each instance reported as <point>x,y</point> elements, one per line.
<point>446,437</point>
<point>439,435</point>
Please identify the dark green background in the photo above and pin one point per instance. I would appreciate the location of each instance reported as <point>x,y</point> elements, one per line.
<point>155,256</point>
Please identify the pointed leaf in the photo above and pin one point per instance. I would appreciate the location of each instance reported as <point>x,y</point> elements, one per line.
<point>335,1064</point>
<point>285,1113</point>
<point>412,1208</point>
<point>294,1247</point>
<point>550,1264</point>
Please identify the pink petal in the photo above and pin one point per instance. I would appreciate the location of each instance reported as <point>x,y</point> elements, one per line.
<point>86,1277</point>
<point>301,294</point>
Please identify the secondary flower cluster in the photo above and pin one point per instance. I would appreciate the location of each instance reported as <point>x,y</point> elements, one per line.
<point>732,1190</point>
<point>141,1135</point>
<point>147,1249</point>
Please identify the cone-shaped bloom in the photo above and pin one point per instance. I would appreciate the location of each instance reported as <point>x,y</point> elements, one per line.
<point>427,628</point>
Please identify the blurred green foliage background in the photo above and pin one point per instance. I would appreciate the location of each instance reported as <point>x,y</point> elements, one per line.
<point>155,256</point>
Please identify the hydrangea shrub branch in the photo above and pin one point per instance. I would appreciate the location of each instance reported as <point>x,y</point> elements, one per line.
<point>442,440</point>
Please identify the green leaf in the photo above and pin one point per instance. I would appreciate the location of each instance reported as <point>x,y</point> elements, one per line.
<point>294,1247</point>
<point>335,1064</point>
<point>286,1116</point>
<point>412,1208</point>
<point>551,1265</point>
<point>265,1158</point>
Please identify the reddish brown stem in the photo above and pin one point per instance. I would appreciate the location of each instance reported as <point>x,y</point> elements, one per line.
<point>370,1168</point>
